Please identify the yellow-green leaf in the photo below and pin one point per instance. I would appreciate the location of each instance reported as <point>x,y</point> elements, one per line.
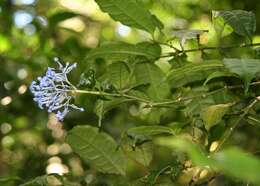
<point>213,114</point>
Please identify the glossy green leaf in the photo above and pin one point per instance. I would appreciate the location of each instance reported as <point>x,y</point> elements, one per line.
<point>243,22</point>
<point>129,12</point>
<point>149,73</point>
<point>146,132</point>
<point>245,68</point>
<point>213,114</point>
<point>97,148</point>
<point>121,51</point>
<point>192,72</point>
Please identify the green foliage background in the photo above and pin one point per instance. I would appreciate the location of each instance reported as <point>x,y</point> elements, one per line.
<point>165,143</point>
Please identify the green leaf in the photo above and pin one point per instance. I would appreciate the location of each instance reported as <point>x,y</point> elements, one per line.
<point>157,22</point>
<point>146,132</point>
<point>121,51</point>
<point>142,153</point>
<point>219,74</point>
<point>103,106</point>
<point>118,75</point>
<point>129,12</point>
<point>236,163</point>
<point>243,22</point>
<point>192,72</point>
<point>97,148</point>
<point>149,73</point>
<point>221,27</point>
<point>60,16</point>
<point>194,106</point>
<point>213,114</point>
<point>245,68</point>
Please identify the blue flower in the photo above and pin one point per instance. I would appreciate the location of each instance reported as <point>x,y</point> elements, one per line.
<point>53,91</point>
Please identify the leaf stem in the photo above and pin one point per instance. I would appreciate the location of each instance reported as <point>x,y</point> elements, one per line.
<point>97,93</point>
<point>162,103</point>
<point>231,129</point>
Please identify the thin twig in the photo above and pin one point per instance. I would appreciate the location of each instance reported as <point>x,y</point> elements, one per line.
<point>163,103</point>
<point>231,129</point>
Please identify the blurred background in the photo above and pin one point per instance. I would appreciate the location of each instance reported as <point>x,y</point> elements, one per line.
<point>32,33</point>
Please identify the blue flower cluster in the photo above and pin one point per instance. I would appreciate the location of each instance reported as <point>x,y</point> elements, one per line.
<point>53,91</point>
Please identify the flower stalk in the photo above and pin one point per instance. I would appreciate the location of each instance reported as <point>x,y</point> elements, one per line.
<point>55,92</point>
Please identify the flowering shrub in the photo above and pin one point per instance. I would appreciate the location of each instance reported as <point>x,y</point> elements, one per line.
<point>178,107</point>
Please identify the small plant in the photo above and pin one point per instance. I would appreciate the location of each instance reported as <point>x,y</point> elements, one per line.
<point>193,106</point>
